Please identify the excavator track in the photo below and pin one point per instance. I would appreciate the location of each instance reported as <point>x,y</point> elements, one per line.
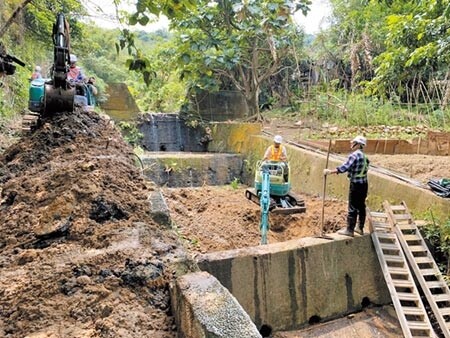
<point>30,121</point>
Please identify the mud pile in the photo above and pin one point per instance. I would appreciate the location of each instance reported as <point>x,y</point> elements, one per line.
<point>80,255</point>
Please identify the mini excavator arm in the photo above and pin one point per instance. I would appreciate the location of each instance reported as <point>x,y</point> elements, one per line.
<point>264,202</point>
<point>59,93</point>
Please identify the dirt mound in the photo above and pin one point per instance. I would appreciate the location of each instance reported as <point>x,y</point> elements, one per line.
<point>80,254</point>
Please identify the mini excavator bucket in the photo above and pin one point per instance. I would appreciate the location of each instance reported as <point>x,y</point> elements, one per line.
<point>58,99</point>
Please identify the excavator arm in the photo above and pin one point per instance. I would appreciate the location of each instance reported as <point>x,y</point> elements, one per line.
<point>59,94</point>
<point>264,202</point>
<point>54,94</point>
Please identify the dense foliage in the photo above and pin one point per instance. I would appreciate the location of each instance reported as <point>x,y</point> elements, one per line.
<point>380,61</point>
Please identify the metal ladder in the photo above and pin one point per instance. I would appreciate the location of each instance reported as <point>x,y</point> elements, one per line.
<point>422,263</point>
<point>405,296</point>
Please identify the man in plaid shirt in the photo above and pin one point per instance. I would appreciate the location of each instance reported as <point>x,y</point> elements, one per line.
<point>356,167</point>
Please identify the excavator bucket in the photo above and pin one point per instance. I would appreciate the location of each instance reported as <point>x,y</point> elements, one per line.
<point>288,211</point>
<point>58,99</point>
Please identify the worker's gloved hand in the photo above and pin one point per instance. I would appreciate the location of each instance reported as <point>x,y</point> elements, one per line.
<point>327,172</point>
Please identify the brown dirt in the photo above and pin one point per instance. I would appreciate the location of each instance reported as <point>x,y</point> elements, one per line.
<point>221,218</point>
<point>80,255</point>
<point>421,168</point>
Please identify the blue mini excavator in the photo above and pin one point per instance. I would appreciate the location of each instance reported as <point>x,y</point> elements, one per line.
<point>282,201</point>
<point>272,193</point>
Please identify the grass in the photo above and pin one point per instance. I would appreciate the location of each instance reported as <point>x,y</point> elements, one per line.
<point>340,112</point>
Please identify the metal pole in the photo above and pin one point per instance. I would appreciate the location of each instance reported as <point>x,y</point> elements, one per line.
<point>322,233</point>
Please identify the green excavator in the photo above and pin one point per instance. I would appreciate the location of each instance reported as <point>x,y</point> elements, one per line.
<point>48,96</point>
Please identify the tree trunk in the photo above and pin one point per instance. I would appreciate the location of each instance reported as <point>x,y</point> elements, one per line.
<point>253,104</point>
<point>13,16</point>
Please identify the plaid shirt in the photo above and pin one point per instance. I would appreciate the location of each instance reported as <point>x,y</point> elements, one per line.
<point>356,167</point>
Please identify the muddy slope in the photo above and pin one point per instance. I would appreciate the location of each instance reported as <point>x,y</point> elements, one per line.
<point>79,253</point>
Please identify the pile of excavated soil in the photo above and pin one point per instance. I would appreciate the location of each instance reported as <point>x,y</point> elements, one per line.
<point>80,255</point>
<point>221,218</point>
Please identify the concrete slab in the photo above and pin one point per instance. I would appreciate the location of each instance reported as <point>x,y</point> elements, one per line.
<point>205,309</point>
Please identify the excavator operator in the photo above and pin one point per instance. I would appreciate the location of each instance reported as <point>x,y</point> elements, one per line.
<point>75,73</point>
<point>277,153</point>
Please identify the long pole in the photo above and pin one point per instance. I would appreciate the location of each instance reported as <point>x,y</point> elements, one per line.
<point>322,234</point>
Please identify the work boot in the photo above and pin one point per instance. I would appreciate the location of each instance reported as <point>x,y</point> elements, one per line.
<point>359,231</point>
<point>346,232</point>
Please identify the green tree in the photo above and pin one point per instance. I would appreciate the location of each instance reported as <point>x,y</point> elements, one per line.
<point>241,43</point>
<point>417,49</point>
<point>236,42</point>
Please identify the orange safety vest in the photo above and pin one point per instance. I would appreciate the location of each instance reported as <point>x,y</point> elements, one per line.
<point>275,154</point>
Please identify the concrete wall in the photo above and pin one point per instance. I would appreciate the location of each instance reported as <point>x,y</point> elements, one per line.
<point>120,104</point>
<point>191,169</point>
<point>307,168</point>
<point>285,285</point>
<point>167,132</point>
<point>221,106</point>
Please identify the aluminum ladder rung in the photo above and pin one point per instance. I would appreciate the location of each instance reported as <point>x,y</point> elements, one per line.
<point>435,284</point>
<point>386,235</point>
<point>408,296</point>
<point>416,325</point>
<point>415,311</point>
<point>402,283</point>
<point>423,260</point>
<point>398,271</point>
<point>392,258</point>
<point>376,214</point>
<point>398,208</point>
<point>410,238</point>
<point>406,226</point>
<point>389,246</point>
<point>444,297</point>
<point>429,272</point>
<point>417,248</point>
<point>445,311</point>
<point>402,217</point>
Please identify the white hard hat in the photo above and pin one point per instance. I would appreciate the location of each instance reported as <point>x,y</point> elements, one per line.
<point>359,140</point>
<point>37,68</point>
<point>73,58</point>
<point>277,139</point>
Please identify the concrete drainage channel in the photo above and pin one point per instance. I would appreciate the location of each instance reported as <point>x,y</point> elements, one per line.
<point>257,291</point>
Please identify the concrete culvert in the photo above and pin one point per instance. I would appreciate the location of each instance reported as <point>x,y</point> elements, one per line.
<point>314,320</point>
<point>265,330</point>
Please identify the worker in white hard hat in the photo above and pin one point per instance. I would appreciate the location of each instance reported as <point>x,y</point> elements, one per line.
<point>356,167</point>
<point>276,152</point>
<point>36,74</point>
